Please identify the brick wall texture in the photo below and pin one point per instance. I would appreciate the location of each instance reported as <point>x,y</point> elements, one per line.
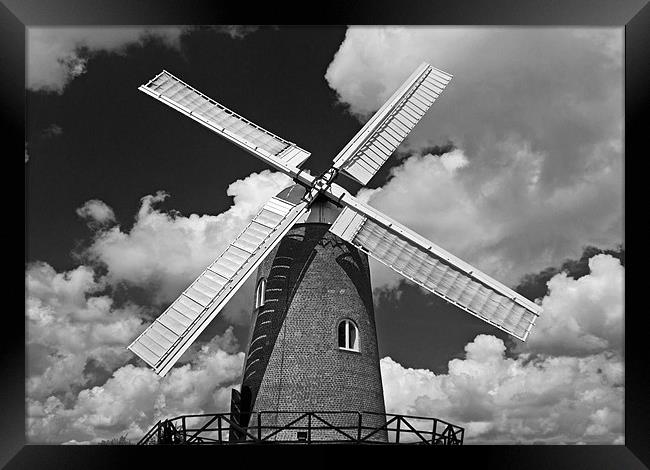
<point>314,280</point>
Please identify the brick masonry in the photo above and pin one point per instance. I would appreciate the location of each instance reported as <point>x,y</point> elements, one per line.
<point>313,281</point>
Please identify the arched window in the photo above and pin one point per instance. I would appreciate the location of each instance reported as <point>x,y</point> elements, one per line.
<point>259,293</point>
<point>348,336</point>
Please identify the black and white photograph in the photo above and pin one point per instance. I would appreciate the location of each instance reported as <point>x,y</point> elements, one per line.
<point>373,234</point>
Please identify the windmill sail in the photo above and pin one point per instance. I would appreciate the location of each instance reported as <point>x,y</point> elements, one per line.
<point>433,268</point>
<point>377,140</point>
<point>279,153</point>
<point>165,340</point>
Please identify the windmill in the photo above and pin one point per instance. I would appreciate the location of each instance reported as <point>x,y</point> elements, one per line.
<point>312,342</point>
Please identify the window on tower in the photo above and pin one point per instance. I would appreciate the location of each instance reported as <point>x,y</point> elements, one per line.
<point>348,334</point>
<point>259,293</point>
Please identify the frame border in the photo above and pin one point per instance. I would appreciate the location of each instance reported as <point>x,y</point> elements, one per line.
<point>633,15</point>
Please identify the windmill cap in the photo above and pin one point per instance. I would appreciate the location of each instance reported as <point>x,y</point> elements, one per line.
<point>322,210</point>
<point>292,193</point>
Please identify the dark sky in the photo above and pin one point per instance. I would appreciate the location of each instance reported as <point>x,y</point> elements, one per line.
<point>116,144</point>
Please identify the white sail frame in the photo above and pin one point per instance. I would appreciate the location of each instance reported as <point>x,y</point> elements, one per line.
<point>356,213</point>
<point>369,149</point>
<point>180,331</point>
<point>287,161</point>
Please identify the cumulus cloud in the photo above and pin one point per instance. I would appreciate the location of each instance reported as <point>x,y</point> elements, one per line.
<point>501,400</point>
<point>535,116</point>
<point>134,398</point>
<point>70,322</point>
<point>503,223</point>
<point>165,251</point>
<point>582,316</point>
<point>55,56</point>
<point>565,386</point>
<point>82,385</point>
<point>96,213</point>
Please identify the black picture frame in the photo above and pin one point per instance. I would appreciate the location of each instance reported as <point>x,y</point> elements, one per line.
<point>633,15</point>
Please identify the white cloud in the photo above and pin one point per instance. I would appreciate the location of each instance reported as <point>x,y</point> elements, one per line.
<point>542,395</point>
<point>57,55</point>
<point>96,212</point>
<point>503,222</point>
<point>582,316</point>
<point>164,252</point>
<point>536,115</point>
<point>70,322</point>
<point>79,385</point>
<point>135,398</point>
<point>500,400</point>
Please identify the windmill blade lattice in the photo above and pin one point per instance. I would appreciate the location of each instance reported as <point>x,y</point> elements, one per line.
<point>438,271</point>
<point>362,157</point>
<point>276,151</point>
<point>169,336</point>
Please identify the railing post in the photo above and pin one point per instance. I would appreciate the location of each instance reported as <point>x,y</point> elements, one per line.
<point>184,431</point>
<point>259,425</point>
<point>435,426</point>
<point>309,428</point>
<point>219,428</point>
<point>399,419</point>
<point>359,429</point>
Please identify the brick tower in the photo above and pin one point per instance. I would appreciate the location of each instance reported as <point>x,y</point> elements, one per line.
<point>313,343</point>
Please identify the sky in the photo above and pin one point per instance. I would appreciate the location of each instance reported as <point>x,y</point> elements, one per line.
<point>517,169</point>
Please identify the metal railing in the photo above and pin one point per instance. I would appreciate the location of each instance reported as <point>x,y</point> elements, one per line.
<point>304,427</point>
